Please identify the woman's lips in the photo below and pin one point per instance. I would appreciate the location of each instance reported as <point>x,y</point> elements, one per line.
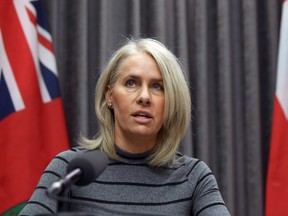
<point>142,117</point>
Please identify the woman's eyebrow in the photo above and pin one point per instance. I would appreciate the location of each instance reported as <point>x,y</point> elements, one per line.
<point>139,77</point>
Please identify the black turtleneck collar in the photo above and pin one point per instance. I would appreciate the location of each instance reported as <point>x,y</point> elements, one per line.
<point>128,155</point>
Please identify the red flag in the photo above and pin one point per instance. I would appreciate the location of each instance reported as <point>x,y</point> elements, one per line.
<point>277,179</point>
<point>32,124</point>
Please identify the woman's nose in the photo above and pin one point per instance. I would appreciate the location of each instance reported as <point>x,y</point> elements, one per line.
<point>144,97</point>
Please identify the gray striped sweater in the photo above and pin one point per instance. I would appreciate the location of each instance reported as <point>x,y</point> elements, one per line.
<point>131,187</point>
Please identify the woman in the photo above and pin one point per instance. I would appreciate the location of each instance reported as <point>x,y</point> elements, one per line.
<point>143,108</point>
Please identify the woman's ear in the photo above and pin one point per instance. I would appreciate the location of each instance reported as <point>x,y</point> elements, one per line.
<point>108,96</point>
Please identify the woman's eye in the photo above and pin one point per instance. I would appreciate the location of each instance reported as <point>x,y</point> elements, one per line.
<point>130,83</point>
<point>158,87</point>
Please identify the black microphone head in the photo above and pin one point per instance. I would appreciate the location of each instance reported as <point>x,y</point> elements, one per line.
<point>91,163</point>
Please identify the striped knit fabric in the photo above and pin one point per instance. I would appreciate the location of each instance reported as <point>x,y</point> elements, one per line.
<point>131,187</point>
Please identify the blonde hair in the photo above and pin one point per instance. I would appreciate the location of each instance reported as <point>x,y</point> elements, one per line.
<point>177,110</point>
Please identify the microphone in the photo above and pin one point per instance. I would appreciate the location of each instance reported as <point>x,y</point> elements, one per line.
<point>81,171</point>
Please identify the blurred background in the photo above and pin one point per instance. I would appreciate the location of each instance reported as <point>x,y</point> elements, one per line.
<point>228,49</point>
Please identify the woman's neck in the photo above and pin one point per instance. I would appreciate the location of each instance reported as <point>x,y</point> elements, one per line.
<point>135,145</point>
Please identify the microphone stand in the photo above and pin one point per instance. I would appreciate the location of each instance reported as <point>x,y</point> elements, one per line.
<point>61,205</point>
<point>62,189</point>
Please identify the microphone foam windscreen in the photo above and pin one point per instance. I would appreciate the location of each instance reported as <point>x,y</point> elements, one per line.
<point>91,163</point>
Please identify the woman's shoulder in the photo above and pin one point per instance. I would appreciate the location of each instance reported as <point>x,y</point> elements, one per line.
<point>191,163</point>
<point>71,153</point>
<point>63,158</point>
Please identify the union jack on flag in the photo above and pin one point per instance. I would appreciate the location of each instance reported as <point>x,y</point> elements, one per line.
<point>34,25</point>
<point>32,123</point>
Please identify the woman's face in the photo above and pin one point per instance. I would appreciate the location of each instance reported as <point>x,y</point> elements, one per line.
<point>137,99</point>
